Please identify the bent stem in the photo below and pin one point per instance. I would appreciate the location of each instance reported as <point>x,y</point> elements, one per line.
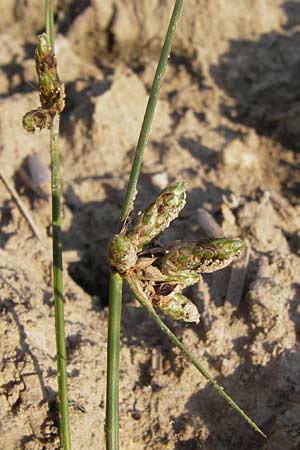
<point>115,302</point>
<point>149,113</point>
<point>189,355</point>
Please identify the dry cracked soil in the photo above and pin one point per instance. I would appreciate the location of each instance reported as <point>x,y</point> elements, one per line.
<point>228,122</point>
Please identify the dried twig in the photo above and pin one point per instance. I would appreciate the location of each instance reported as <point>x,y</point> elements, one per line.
<point>237,278</point>
<point>23,209</point>
<point>208,224</point>
<point>238,271</point>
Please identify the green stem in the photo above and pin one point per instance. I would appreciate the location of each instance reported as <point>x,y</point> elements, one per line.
<point>49,18</point>
<point>115,300</point>
<point>57,260</point>
<point>113,355</point>
<point>149,113</point>
<point>193,360</point>
<point>58,286</point>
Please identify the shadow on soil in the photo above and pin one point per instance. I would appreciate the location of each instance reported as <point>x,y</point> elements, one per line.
<point>263,77</point>
<point>92,226</point>
<point>266,393</point>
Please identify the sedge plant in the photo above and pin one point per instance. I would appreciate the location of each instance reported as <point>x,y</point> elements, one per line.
<point>52,99</point>
<point>157,276</point>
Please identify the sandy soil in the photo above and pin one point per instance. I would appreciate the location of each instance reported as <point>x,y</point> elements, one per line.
<point>228,122</point>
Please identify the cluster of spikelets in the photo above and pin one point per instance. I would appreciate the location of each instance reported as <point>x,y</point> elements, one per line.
<point>160,273</point>
<point>52,91</point>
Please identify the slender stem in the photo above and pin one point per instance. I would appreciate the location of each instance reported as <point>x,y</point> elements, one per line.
<point>115,301</point>
<point>113,352</point>
<point>193,360</point>
<point>49,18</point>
<point>149,113</point>
<point>57,260</point>
<point>58,286</point>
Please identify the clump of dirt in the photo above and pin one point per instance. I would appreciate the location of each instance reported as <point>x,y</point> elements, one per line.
<point>226,122</point>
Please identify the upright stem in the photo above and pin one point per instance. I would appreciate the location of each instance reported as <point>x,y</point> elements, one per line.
<point>57,260</point>
<point>49,18</point>
<point>58,286</point>
<point>113,350</point>
<point>115,299</point>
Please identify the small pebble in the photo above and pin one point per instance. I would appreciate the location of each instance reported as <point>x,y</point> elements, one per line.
<point>237,154</point>
<point>160,180</point>
<point>38,172</point>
